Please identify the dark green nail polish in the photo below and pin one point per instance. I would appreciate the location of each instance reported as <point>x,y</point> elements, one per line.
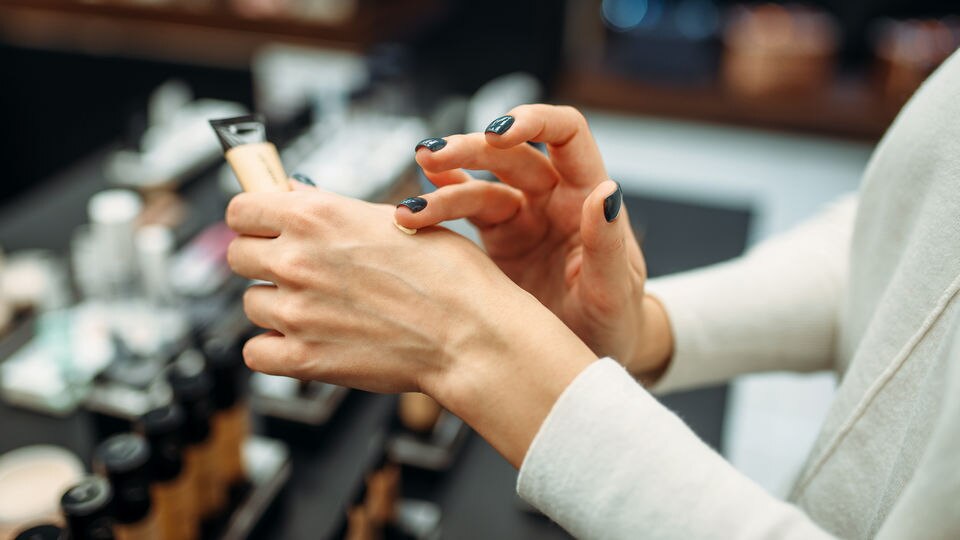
<point>612,204</point>
<point>303,179</point>
<point>415,204</point>
<point>500,125</point>
<point>433,144</point>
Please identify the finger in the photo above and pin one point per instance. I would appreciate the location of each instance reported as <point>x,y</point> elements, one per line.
<point>605,233</point>
<point>484,203</point>
<point>248,256</point>
<point>275,354</point>
<point>446,178</point>
<point>523,166</point>
<point>301,182</point>
<point>566,133</point>
<point>259,303</point>
<point>258,214</point>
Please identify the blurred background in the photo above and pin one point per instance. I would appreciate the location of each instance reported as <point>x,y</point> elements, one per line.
<point>724,121</point>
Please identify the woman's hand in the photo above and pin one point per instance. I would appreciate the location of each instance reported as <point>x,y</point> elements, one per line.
<point>555,226</point>
<point>356,302</point>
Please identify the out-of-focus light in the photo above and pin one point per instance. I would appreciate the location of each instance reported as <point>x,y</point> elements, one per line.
<point>697,19</point>
<point>623,15</point>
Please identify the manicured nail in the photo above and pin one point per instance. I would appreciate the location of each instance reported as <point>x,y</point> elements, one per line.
<point>303,179</point>
<point>432,144</point>
<point>415,204</point>
<point>500,125</point>
<point>612,204</point>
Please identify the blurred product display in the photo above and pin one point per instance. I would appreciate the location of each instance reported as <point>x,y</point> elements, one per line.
<point>775,49</point>
<point>663,41</point>
<point>908,51</point>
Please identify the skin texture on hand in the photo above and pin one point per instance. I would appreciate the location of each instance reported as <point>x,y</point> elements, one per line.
<point>356,302</point>
<point>554,225</point>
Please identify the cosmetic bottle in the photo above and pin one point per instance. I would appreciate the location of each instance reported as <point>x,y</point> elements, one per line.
<point>357,525</point>
<point>113,219</point>
<point>88,510</point>
<point>230,422</point>
<point>171,488</point>
<point>192,388</point>
<point>418,412</point>
<point>41,532</point>
<point>125,461</point>
<point>382,493</point>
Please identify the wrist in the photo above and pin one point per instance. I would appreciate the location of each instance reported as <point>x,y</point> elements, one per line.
<point>656,342</point>
<point>505,379</point>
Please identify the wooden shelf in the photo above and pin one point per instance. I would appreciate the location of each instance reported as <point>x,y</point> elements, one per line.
<point>848,109</point>
<point>212,35</point>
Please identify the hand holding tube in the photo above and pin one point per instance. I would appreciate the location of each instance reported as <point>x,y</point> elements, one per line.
<point>359,304</point>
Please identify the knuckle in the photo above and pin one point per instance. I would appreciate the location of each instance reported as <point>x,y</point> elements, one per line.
<point>292,315</point>
<point>291,266</point>
<point>574,113</point>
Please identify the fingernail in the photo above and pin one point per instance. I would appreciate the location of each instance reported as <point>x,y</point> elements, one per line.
<point>433,144</point>
<point>500,125</point>
<point>612,204</point>
<point>415,204</point>
<point>303,179</point>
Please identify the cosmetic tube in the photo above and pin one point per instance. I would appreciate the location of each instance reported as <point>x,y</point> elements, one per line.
<point>88,510</point>
<point>383,491</point>
<point>230,421</point>
<point>41,532</point>
<point>418,412</point>
<point>255,161</point>
<point>170,486</point>
<point>192,389</point>
<point>125,461</point>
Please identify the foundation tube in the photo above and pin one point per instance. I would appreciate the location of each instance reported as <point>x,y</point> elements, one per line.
<point>255,161</point>
<point>170,486</point>
<point>192,388</point>
<point>230,421</point>
<point>418,412</point>
<point>383,491</point>
<point>41,532</point>
<point>124,460</point>
<point>87,509</point>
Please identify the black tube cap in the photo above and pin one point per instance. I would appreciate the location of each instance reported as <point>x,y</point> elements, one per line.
<point>192,388</point>
<point>225,363</point>
<point>88,509</point>
<point>41,532</point>
<point>164,429</point>
<point>124,460</point>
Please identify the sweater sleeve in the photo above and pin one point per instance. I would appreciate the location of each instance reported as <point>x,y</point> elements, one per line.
<point>639,472</point>
<point>775,308</point>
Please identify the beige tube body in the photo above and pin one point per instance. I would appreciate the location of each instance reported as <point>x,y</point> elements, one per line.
<point>258,167</point>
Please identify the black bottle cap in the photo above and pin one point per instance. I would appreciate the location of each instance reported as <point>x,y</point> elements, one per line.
<point>224,361</point>
<point>192,389</point>
<point>164,429</point>
<point>88,507</point>
<point>41,532</point>
<point>124,460</point>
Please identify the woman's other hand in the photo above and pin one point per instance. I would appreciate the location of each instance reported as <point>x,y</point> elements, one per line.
<point>556,225</point>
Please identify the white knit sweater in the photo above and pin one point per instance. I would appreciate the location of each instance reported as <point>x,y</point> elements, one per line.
<point>868,289</point>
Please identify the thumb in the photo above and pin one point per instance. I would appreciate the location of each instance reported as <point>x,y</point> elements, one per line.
<point>605,232</point>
